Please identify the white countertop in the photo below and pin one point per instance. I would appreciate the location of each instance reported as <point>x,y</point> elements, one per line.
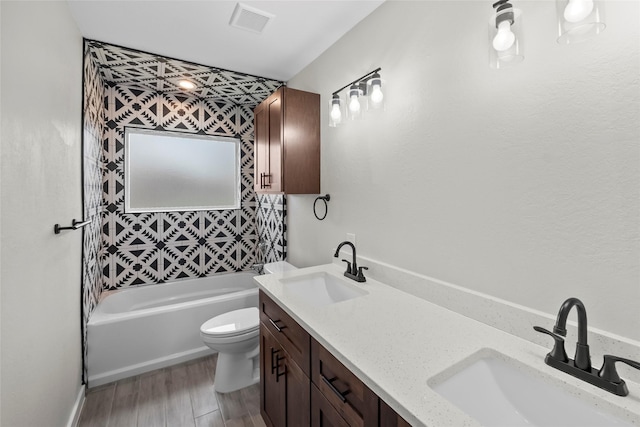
<point>395,342</point>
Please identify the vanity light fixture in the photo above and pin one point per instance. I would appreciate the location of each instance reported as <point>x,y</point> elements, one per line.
<point>579,20</point>
<point>505,35</point>
<point>186,84</point>
<point>364,94</point>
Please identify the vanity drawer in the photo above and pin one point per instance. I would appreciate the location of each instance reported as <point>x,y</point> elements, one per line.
<point>354,401</point>
<point>293,338</point>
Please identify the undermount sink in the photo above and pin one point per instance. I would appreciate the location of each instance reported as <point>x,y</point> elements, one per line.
<point>499,391</point>
<point>321,288</point>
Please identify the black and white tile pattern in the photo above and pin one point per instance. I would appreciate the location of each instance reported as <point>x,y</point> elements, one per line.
<point>271,220</point>
<point>124,87</point>
<point>158,74</point>
<point>158,247</point>
<point>93,127</point>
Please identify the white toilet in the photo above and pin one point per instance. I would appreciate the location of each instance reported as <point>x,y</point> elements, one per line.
<point>235,335</point>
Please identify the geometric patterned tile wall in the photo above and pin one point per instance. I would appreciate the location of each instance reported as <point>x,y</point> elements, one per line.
<point>150,248</point>
<point>147,71</point>
<point>272,226</point>
<point>93,124</point>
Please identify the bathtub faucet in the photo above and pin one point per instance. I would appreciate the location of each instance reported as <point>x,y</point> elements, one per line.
<point>258,267</point>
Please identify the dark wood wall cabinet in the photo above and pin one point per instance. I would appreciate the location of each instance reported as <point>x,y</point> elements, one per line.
<point>303,384</point>
<point>287,143</point>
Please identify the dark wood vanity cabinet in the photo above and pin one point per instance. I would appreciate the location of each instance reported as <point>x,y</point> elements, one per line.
<point>284,397</point>
<point>287,143</point>
<point>284,368</point>
<point>303,384</point>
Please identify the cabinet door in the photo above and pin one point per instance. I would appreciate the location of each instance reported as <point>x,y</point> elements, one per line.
<point>298,397</point>
<point>274,176</point>
<point>284,398</point>
<point>261,146</point>
<point>322,413</point>
<point>272,389</point>
<point>268,124</point>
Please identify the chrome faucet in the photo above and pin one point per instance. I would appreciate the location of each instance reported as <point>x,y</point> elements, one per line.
<point>353,271</point>
<point>607,377</point>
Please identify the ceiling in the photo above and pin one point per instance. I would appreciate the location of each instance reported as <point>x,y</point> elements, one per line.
<point>199,31</point>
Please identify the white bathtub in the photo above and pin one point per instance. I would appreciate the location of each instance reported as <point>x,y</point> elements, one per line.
<point>149,327</point>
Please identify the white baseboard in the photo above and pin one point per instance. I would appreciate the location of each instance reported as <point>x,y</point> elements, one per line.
<point>74,417</point>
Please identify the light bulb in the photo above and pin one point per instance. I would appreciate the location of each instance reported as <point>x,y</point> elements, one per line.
<point>186,84</point>
<point>354,104</point>
<point>336,114</point>
<point>505,37</point>
<point>577,10</point>
<point>376,94</point>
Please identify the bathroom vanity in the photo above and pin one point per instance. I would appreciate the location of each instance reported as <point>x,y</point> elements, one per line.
<point>302,383</point>
<point>341,353</point>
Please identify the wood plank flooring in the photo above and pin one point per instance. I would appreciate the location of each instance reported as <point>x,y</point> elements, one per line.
<point>178,396</point>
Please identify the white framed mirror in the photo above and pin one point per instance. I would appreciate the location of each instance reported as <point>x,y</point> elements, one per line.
<point>172,171</point>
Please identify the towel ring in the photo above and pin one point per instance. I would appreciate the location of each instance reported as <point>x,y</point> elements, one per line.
<point>325,199</point>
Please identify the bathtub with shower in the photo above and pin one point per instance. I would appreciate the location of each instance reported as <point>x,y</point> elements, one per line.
<point>143,328</point>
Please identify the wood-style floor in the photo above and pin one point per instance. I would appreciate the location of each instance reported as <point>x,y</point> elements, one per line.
<point>181,395</point>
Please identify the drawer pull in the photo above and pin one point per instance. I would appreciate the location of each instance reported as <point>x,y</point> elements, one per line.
<point>278,328</point>
<point>329,383</point>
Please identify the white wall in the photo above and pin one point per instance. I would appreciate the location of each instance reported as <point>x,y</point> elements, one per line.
<point>519,183</point>
<point>41,186</point>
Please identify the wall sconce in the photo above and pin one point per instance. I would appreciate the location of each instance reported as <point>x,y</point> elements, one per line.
<point>505,35</point>
<point>579,20</point>
<point>364,94</point>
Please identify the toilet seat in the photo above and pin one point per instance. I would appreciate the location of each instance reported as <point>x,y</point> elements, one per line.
<point>232,323</point>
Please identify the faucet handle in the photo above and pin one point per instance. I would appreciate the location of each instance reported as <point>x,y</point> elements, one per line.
<point>348,266</point>
<point>558,352</point>
<point>608,371</point>
<point>360,273</point>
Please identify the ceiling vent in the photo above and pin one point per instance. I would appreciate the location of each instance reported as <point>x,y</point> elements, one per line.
<point>250,19</point>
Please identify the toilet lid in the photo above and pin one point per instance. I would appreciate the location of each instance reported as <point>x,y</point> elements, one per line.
<point>232,323</point>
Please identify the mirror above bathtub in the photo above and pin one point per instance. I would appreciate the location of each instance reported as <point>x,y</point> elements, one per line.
<point>173,171</point>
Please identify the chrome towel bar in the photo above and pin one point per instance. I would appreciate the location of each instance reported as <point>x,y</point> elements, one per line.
<point>74,226</point>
